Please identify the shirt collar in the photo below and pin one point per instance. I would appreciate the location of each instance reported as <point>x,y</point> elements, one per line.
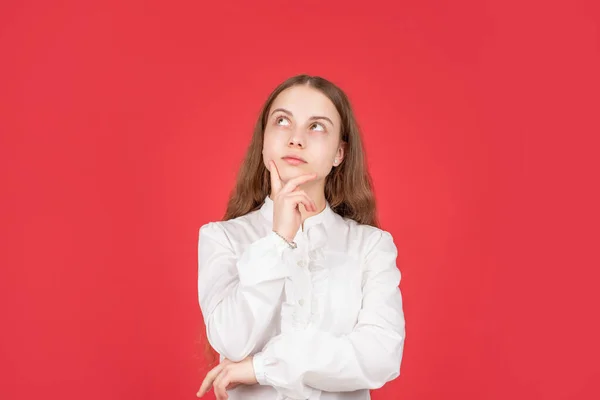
<point>325,217</point>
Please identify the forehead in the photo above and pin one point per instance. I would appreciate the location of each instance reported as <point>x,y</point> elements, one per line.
<point>305,102</point>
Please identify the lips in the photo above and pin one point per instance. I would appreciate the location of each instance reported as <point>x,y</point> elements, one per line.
<point>290,157</point>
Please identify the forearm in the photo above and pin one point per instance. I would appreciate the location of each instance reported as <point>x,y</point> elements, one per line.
<point>237,325</point>
<point>365,359</point>
<point>238,297</point>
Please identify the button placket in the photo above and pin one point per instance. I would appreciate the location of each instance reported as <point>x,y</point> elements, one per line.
<point>306,305</point>
<point>303,299</point>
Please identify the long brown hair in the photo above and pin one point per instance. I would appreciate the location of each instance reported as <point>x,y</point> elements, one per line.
<point>348,187</point>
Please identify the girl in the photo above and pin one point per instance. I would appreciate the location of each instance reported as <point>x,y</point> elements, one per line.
<point>298,286</point>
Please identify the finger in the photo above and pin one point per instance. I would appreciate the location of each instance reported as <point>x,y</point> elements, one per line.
<point>206,384</point>
<point>221,383</point>
<point>293,183</point>
<point>301,198</point>
<point>211,376</point>
<point>275,179</point>
<point>209,379</point>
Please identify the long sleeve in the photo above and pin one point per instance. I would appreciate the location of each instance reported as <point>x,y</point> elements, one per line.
<point>238,297</point>
<point>297,362</point>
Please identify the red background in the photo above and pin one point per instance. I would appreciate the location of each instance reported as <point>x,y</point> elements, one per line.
<point>123,125</point>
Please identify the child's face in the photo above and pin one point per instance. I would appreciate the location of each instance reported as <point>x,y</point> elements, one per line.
<point>302,122</point>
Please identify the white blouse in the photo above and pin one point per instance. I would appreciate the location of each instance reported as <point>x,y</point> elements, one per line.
<point>323,321</point>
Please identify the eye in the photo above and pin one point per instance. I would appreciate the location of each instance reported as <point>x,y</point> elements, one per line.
<point>280,118</point>
<point>320,126</point>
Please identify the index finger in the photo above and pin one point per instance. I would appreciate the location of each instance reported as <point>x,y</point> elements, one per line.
<point>208,380</point>
<point>293,183</point>
<point>275,179</point>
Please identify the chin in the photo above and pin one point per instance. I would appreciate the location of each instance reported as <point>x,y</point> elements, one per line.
<point>292,171</point>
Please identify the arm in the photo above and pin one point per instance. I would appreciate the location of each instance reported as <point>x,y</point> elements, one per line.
<point>238,297</point>
<point>366,358</point>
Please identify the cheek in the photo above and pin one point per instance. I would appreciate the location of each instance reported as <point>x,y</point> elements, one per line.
<point>267,152</point>
<point>270,146</point>
<point>324,164</point>
<point>272,139</point>
<point>267,142</point>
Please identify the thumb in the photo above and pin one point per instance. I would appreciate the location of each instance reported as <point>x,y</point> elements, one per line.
<point>275,179</point>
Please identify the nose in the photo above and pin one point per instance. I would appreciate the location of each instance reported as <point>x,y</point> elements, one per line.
<point>296,140</point>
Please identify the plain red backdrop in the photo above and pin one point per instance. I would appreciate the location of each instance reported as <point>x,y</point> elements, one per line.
<point>123,125</point>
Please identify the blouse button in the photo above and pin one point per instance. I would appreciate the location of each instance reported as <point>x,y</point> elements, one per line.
<point>301,264</point>
<point>301,302</point>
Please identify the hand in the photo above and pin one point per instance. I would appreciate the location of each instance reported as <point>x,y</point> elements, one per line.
<point>286,200</point>
<point>227,375</point>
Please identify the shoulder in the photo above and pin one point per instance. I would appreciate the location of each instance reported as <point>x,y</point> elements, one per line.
<point>228,231</point>
<point>212,236</point>
<point>369,238</point>
<point>378,253</point>
<point>366,234</point>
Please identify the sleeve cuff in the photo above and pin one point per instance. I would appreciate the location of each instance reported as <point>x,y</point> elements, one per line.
<point>264,260</point>
<point>258,362</point>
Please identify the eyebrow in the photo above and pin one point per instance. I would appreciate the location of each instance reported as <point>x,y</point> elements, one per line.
<point>314,117</point>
